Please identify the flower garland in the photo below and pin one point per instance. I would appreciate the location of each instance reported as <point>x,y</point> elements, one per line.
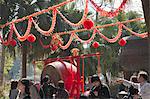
<point>25,36</point>
<point>37,13</point>
<point>106,13</point>
<point>113,39</point>
<point>68,43</point>
<point>49,32</point>
<point>55,39</point>
<point>83,17</point>
<point>85,41</point>
<point>143,35</point>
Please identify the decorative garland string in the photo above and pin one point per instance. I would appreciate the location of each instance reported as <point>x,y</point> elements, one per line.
<point>68,43</point>
<point>24,37</point>
<point>81,21</point>
<point>101,26</point>
<point>106,13</point>
<point>85,41</point>
<point>113,39</point>
<point>49,32</point>
<point>143,35</point>
<point>37,13</point>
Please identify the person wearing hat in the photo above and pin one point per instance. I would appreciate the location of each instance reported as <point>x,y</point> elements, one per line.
<point>99,90</point>
<point>47,88</point>
<point>143,86</point>
<point>61,93</point>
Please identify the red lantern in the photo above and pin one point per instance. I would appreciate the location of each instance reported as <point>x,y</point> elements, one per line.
<point>88,24</point>
<point>122,42</point>
<point>31,38</point>
<point>95,44</point>
<point>54,47</point>
<point>13,43</point>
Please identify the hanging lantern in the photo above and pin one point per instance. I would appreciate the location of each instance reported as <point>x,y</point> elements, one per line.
<point>54,47</point>
<point>88,24</point>
<point>13,43</point>
<point>95,44</point>
<point>31,38</point>
<point>122,42</point>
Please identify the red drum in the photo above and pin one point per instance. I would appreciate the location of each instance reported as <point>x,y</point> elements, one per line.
<point>60,70</point>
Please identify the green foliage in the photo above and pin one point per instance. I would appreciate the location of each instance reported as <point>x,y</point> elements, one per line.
<point>4,91</point>
<point>39,64</point>
<point>8,64</point>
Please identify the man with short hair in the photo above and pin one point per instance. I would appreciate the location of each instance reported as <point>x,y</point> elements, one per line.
<point>143,86</point>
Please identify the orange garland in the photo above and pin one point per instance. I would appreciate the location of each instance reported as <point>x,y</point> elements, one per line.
<point>49,32</point>
<point>143,35</point>
<point>85,41</point>
<point>102,12</point>
<point>23,38</point>
<point>73,32</point>
<point>68,43</point>
<point>114,39</point>
<point>83,17</point>
<point>37,13</point>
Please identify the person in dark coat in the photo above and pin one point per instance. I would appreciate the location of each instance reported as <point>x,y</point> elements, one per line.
<point>99,90</point>
<point>61,93</point>
<point>47,89</point>
<point>13,91</point>
<point>44,88</point>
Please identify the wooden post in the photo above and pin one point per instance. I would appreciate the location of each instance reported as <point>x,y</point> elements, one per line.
<point>24,60</point>
<point>146,10</point>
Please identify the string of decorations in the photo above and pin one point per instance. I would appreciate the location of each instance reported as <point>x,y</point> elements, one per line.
<point>102,12</point>
<point>37,13</point>
<point>83,17</point>
<point>25,36</point>
<point>56,41</point>
<point>49,32</point>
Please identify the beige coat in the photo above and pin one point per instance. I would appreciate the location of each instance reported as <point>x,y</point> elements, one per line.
<point>144,89</point>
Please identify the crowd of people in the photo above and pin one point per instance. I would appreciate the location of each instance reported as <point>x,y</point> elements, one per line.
<point>137,88</point>
<point>25,89</point>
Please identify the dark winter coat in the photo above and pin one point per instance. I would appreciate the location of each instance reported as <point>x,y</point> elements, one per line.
<point>102,90</point>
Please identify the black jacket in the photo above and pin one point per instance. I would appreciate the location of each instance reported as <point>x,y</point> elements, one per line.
<point>103,92</point>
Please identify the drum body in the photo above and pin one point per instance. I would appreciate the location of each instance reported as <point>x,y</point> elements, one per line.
<point>60,70</point>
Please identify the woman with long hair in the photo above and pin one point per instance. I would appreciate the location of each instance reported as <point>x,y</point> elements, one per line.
<point>24,87</point>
